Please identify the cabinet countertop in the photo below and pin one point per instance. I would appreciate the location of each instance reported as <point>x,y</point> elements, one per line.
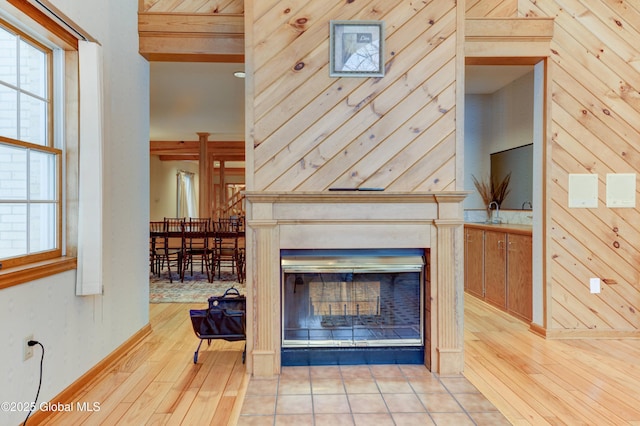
<point>511,228</point>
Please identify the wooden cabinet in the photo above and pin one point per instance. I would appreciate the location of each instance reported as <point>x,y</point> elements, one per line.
<point>474,261</point>
<point>498,268</point>
<point>495,264</point>
<point>519,270</point>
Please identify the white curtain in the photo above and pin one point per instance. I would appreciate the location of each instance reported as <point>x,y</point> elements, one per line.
<point>89,272</point>
<point>187,205</point>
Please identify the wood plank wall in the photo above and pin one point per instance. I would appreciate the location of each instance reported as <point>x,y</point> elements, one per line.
<point>595,126</point>
<point>491,8</point>
<point>312,132</point>
<point>193,6</point>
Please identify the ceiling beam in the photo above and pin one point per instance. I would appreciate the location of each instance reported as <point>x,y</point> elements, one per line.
<point>179,157</point>
<point>191,37</point>
<point>190,150</point>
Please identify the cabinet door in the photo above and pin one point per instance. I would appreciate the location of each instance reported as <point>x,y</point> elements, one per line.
<point>495,268</point>
<point>519,270</point>
<point>474,261</point>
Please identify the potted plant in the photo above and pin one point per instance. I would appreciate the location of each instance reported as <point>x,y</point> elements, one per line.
<point>491,190</point>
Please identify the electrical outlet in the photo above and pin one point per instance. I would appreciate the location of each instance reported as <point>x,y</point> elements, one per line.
<point>594,285</point>
<point>27,350</point>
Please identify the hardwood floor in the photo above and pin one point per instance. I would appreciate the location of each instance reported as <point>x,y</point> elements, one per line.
<point>157,383</point>
<point>532,381</point>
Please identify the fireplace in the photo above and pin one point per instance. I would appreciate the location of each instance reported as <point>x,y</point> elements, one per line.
<point>352,306</point>
<point>289,225</point>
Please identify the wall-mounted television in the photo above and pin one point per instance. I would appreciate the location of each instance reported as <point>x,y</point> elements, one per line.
<point>519,162</point>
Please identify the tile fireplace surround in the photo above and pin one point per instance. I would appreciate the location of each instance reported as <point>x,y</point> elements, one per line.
<point>355,220</point>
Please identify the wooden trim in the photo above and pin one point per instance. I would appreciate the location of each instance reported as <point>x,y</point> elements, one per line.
<point>192,57</point>
<point>511,228</point>
<point>503,60</point>
<point>185,23</point>
<point>460,93</point>
<point>508,37</point>
<point>591,334</point>
<point>214,147</point>
<point>538,330</point>
<point>60,33</point>
<point>21,274</point>
<point>183,151</point>
<point>356,197</point>
<point>66,396</point>
<point>183,37</point>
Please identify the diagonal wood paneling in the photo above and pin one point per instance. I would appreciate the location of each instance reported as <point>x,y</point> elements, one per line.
<point>595,125</point>
<point>193,6</point>
<point>491,8</point>
<point>312,132</point>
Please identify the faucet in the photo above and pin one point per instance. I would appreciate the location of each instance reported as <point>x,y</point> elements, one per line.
<point>527,203</point>
<point>497,218</point>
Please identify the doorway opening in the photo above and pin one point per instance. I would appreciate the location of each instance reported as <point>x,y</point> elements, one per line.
<point>504,110</point>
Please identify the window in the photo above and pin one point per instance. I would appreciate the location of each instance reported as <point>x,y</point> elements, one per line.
<point>30,161</point>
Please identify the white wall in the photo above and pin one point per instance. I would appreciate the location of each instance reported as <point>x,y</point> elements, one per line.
<point>494,123</point>
<point>164,187</point>
<point>477,131</point>
<point>78,332</point>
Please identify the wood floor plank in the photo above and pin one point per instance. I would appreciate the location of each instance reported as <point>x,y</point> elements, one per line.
<point>143,408</point>
<point>182,407</point>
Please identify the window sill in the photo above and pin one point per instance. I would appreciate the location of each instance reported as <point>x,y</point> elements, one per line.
<point>33,271</point>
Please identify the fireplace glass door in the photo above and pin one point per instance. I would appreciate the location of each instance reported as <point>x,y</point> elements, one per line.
<point>363,301</point>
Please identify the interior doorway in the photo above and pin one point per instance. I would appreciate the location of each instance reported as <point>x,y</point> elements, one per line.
<point>191,102</point>
<point>504,110</point>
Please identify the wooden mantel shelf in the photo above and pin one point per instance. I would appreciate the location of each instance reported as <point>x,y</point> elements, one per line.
<point>357,197</point>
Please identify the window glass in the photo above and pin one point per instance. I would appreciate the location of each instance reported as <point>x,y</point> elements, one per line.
<point>8,58</point>
<point>13,173</point>
<point>33,120</point>
<point>33,70</point>
<point>13,229</point>
<point>42,227</point>
<point>8,112</point>
<point>42,173</point>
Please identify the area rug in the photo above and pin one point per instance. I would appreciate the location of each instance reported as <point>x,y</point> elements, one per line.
<point>194,289</point>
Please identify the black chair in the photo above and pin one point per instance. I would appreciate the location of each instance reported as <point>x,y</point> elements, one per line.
<point>226,235</point>
<point>196,245</point>
<point>173,244</point>
<point>156,246</point>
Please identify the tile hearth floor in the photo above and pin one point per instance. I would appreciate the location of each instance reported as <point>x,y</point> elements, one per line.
<point>365,395</point>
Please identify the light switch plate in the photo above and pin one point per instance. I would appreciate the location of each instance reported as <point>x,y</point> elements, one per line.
<point>583,190</point>
<point>621,190</point>
<point>594,285</point>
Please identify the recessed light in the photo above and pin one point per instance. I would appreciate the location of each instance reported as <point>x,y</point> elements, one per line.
<point>239,74</point>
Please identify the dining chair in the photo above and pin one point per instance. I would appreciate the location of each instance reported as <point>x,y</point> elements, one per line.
<point>174,243</point>
<point>226,244</point>
<point>156,246</point>
<point>196,245</point>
